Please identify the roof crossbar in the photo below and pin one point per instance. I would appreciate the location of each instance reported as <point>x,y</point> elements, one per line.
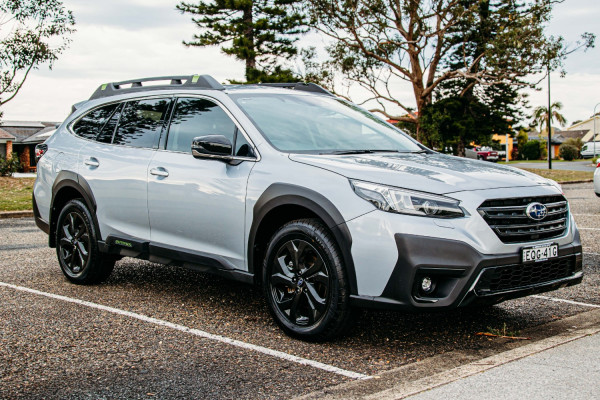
<point>137,85</point>
<point>303,86</point>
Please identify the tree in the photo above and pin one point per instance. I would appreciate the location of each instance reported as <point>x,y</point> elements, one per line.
<point>540,115</point>
<point>258,32</point>
<point>32,33</point>
<point>377,43</point>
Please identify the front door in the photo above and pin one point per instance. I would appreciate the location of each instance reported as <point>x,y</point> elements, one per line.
<point>198,205</point>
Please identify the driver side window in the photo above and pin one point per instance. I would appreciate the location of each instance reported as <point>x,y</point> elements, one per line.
<point>195,117</point>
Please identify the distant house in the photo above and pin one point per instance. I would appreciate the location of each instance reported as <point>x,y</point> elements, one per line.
<point>559,137</point>
<point>20,138</point>
<point>587,125</point>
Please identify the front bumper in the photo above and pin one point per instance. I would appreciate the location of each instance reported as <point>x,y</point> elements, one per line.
<point>463,276</point>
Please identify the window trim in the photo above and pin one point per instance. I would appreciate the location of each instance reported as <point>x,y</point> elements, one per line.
<point>159,146</point>
<point>163,146</point>
<point>121,102</point>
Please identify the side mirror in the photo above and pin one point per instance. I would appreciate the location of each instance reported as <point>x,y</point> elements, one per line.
<point>212,146</point>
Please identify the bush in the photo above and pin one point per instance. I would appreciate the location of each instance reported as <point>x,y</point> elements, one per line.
<point>577,142</point>
<point>568,152</point>
<point>8,166</point>
<point>531,150</point>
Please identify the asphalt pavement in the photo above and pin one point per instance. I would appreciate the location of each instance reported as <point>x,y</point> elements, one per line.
<point>585,165</point>
<point>154,331</point>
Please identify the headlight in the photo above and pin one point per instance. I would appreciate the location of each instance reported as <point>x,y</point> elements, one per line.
<point>404,201</point>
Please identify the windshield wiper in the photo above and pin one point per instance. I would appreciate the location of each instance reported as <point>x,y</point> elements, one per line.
<point>342,152</point>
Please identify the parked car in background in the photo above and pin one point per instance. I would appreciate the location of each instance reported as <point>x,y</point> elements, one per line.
<point>587,151</point>
<point>484,153</point>
<point>597,180</point>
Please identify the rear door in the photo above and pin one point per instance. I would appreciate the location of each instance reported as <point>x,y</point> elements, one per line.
<point>115,165</point>
<point>198,205</point>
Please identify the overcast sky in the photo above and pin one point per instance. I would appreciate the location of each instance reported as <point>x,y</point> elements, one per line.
<point>123,39</point>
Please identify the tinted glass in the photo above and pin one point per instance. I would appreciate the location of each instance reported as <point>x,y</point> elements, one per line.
<point>89,126</point>
<point>301,123</point>
<point>197,117</point>
<point>106,134</point>
<point>141,122</point>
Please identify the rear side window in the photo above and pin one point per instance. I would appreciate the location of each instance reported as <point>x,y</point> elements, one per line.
<point>107,131</point>
<point>195,117</point>
<point>141,122</point>
<point>89,126</point>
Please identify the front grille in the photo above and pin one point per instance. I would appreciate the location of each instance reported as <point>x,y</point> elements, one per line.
<point>508,219</point>
<point>510,277</point>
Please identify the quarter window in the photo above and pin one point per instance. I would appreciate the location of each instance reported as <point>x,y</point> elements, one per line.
<point>195,117</point>
<point>89,126</point>
<point>141,122</point>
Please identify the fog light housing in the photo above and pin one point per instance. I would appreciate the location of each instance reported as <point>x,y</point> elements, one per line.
<point>427,285</point>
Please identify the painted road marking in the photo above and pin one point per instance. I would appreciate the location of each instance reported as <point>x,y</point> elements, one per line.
<point>593,254</point>
<point>586,215</point>
<point>577,303</point>
<point>588,229</point>
<point>196,332</point>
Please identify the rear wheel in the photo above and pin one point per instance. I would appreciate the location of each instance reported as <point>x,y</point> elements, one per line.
<point>305,283</point>
<point>77,246</point>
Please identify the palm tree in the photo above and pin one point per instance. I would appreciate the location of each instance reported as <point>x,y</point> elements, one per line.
<point>540,116</point>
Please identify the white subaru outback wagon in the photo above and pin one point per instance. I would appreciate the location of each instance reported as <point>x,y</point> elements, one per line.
<point>325,205</point>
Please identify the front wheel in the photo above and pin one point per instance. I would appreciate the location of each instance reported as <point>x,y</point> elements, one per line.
<point>77,247</point>
<point>305,283</point>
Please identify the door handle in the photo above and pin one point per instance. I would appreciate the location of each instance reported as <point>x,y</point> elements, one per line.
<point>160,171</point>
<point>92,162</point>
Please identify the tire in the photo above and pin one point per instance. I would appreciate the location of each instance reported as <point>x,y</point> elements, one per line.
<point>308,300</point>
<point>77,246</point>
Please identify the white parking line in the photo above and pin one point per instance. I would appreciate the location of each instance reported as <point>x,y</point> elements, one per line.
<point>196,332</point>
<point>594,254</point>
<point>586,215</point>
<point>577,303</point>
<point>588,229</point>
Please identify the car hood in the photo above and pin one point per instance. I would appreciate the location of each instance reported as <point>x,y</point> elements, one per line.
<point>434,173</point>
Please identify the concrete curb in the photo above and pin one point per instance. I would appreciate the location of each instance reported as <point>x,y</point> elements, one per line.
<point>570,182</point>
<point>442,369</point>
<point>16,214</point>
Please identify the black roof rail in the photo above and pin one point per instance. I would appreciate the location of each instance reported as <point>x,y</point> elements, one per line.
<point>304,86</point>
<point>136,85</point>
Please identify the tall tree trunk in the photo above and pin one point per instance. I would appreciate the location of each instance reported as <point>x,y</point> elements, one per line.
<point>249,35</point>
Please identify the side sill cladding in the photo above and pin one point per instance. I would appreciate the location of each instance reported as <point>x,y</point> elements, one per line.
<point>281,194</point>
<point>74,183</point>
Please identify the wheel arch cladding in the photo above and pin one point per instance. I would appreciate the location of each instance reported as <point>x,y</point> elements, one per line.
<point>68,186</point>
<point>282,203</point>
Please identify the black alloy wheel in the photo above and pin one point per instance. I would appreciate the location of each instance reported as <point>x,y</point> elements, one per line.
<point>74,243</point>
<point>300,282</point>
<point>305,282</point>
<point>77,247</point>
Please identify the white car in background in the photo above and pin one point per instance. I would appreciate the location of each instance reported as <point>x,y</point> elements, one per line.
<point>597,180</point>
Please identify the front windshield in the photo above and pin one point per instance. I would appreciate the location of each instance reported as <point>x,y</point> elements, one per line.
<point>319,124</point>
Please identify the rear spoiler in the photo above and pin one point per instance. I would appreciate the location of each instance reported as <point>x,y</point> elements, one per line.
<point>77,106</point>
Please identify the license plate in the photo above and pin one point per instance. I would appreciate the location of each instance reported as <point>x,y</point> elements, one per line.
<point>539,253</point>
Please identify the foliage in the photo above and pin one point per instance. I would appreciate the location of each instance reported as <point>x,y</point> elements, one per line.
<point>531,150</point>
<point>32,33</point>
<point>458,121</point>
<point>568,152</point>
<point>543,149</point>
<point>9,166</point>
<point>522,138</point>
<point>479,43</point>
<point>259,31</point>
<point>576,142</point>
<point>540,116</point>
